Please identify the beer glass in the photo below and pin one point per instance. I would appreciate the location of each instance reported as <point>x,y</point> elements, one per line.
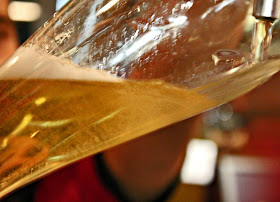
<point>103,72</point>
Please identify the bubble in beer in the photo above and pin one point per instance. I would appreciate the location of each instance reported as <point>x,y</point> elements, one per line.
<point>228,58</point>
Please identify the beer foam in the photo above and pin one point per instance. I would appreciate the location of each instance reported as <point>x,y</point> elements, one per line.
<point>27,63</point>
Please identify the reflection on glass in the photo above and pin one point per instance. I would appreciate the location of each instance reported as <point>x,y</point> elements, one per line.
<point>104,72</point>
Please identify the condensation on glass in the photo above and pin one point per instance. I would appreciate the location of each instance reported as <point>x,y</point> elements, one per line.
<point>102,72</point>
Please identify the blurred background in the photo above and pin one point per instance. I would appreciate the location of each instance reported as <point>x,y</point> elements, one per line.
<point>29,15</point>
<point>225,162</point>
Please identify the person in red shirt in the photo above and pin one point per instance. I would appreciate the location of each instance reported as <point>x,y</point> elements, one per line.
<point>143,170</point>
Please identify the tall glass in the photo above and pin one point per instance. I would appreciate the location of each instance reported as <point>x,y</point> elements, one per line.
<point>102,72</point>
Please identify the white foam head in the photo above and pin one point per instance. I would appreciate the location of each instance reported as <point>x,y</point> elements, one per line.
<point>27,63</point>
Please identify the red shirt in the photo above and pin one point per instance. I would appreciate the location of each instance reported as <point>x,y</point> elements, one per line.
<point>78,182</point>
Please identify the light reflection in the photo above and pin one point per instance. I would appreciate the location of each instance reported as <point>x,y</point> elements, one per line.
<point>216,8</point>
<point>200,162</point>
<point>88,29</point>
<point>57,158</point>
<point>60,4</point>
<point>14,60</point>
<point>204,15</point>
<point>25,121</point>
<point>34,134</point>
<point>50,124</point>
<point>180,20</point>
<point>40,101</point>
<point>187,5</point>
<point>4,143</point>
<point>105,8</point>
<point>147,41</point>
<point>10,63</point>
<point>225,112</point>
<point>20,11</point>
<point>107,117</point>
<point>136,46</point>
<point>232,71</point>
<point>222,5</point>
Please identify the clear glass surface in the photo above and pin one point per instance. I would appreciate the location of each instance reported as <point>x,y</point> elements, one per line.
<point>102,72</point>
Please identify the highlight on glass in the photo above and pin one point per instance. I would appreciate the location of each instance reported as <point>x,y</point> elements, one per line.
<point>102,72</point>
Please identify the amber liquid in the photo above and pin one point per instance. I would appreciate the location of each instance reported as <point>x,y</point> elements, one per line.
<point>53,114</point>
<point>46,124</point>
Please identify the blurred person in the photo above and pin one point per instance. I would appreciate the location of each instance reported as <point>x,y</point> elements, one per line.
<point>145,169</point>
<point>8,35</point>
